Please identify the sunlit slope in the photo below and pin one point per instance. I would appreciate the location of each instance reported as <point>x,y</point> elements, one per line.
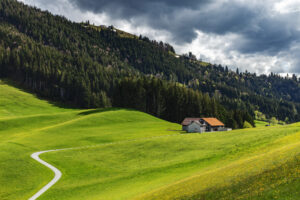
<point>259,123</point>
<point>126,154</point>
<point>270,173</point>
<point>186,166</point>
<point>16,102</point>
<point>29,130</point>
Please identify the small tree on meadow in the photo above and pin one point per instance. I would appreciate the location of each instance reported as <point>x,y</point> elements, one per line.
<point>273,121</point>
<point>247,125</point>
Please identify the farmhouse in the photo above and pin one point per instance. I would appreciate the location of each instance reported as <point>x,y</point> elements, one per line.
<point>200,125</point>
<point>195,127</point>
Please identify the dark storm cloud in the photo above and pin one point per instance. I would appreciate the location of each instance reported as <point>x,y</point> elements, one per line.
<point>260,36</point>
<point>260,32</point>
<point>133,7</point>
<point>294,55</point>
<point>269,35</point>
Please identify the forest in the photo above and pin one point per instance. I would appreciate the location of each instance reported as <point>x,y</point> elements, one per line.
<point>87,66</point>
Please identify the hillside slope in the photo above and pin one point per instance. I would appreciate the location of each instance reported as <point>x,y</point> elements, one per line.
<point>81,82</point>
<point>30,130</point>
<point>16,103</point>
<point>83,64</point>
<point>135,155</point>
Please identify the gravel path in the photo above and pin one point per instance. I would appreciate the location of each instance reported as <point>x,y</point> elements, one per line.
<point>57,173</point>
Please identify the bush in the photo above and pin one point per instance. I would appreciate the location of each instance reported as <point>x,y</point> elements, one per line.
<point>247,125</point>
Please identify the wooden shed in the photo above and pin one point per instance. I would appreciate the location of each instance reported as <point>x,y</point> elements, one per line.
<point>201,125</point>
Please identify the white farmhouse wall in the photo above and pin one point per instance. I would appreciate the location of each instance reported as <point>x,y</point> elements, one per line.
<point>195,128</point>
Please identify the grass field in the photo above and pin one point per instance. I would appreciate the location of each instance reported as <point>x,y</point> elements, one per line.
<point>127,154</point>
<point>259,123</point>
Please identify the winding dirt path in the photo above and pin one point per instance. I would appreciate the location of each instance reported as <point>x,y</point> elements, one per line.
<point>57,173</point>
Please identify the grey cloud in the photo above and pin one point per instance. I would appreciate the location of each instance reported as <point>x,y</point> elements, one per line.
<point>159,14</point>
<point>270,36</point>
<point>131,8</point>
<point>261,32</point>
<point>294,55</point>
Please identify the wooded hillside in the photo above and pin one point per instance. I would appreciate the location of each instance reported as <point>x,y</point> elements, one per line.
<point>86,66</point>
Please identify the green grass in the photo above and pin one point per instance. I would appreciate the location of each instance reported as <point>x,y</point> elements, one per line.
<point>119,32</point>
<point>205,64</point>
<point>259,123</point>
<point>17,103</point>
<point>128,154</point>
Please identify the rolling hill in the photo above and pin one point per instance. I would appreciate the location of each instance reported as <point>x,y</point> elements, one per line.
<point>127,154</point>
<point>92,66</point>
<point>103,95</point>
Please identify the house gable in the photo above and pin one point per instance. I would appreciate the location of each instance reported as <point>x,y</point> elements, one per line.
<point>188,121</point>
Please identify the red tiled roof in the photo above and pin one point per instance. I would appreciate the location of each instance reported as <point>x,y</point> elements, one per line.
<point>187,121</point>
<point>213,121</point>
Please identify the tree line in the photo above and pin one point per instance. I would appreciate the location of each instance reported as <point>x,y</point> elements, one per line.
<point>84,83</point>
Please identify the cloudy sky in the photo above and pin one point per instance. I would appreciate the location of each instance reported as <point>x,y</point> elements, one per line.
<point>255,35</point>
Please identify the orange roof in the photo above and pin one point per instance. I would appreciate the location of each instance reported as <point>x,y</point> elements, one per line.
<point>213,121</point>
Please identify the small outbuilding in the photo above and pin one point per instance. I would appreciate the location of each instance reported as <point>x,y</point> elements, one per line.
<point>195,127</point>
<point>187,121</point>
<point>201,125</point>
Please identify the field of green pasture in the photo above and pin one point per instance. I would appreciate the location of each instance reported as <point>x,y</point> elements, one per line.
<point>126,154</point>
<point>259,123</point>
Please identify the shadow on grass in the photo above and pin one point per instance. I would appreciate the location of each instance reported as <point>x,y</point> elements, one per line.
<point>99,110</point>
<point>175,130</point>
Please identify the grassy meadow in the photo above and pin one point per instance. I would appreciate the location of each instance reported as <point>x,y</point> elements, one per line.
<point>259,123</point>
<point>125,154</point>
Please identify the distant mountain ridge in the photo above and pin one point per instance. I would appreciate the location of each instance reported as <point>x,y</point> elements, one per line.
<point>91,66</point>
